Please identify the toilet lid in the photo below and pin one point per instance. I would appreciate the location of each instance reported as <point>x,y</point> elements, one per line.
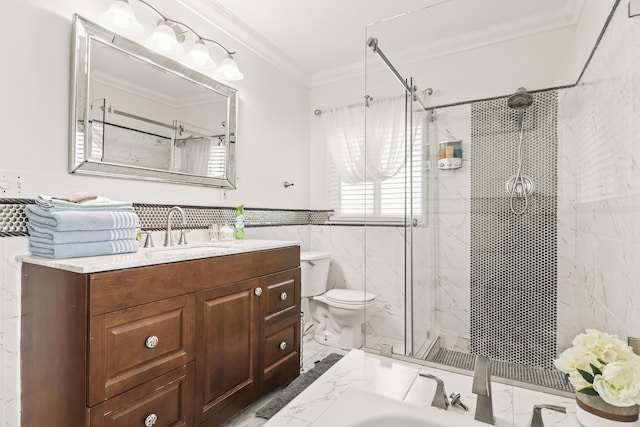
<point>313,256</point>
<point>348,296</point>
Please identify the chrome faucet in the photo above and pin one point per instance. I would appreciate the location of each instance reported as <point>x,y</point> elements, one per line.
<point>482,387</point>
<point>440,398</point>
<point>536,417</point>
<point>168,238</point>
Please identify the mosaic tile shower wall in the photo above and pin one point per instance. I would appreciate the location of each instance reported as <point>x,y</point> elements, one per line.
<point>513,257</point>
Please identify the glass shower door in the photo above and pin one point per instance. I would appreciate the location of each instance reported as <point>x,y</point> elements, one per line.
<point>398,259</point>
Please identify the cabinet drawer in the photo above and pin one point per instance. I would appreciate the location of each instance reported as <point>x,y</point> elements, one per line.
<point>129,347</point>
<point>282,347</point>
<point>167,399</point>
<point>282,295</point>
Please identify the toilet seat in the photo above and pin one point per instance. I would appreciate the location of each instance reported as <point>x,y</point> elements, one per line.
<point>347,298</point>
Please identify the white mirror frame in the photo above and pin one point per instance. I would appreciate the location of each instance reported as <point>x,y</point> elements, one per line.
<point>80,129</point>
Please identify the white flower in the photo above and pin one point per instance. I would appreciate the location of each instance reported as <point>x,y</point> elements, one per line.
<point>610,365</point>
<point>573,359</point>
<point>619,384</point>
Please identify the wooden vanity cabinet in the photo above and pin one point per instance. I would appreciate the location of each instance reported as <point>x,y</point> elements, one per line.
<point>188,343</point>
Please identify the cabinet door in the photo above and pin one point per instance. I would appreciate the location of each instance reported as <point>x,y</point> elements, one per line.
<point>226,347</point>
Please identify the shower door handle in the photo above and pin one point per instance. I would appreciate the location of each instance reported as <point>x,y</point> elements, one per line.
<point>415,222</point>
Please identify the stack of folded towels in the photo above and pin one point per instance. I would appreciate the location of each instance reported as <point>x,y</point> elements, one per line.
<point>80,224</point>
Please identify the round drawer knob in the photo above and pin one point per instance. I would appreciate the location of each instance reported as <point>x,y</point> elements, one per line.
<point>283,345</point>
<point>150,420</point>
<point>283,296</point>
<point>258,291</point>
<point>151,342</point>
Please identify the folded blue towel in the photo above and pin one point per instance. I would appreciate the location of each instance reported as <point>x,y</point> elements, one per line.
<point>82,220</point>
<point>72,250</point>
<point>98,204</point>
<point>44,234</point>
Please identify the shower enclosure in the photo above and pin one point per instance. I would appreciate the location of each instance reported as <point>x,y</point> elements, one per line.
<point>468,262</point>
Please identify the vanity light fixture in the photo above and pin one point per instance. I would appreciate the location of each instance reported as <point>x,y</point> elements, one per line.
<point>228,69</point>
<point>168,37</point>
<point>164,40</point>
<point>198,57</point>
<point>120,17</point>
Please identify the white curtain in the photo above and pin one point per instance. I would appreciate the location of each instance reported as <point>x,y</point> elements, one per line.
<point>384,153</point>
<point>193,155</point>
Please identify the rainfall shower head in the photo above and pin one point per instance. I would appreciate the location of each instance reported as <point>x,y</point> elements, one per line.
<point>520,100</point>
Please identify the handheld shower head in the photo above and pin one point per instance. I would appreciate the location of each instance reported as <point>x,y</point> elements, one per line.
<point>520,100</point>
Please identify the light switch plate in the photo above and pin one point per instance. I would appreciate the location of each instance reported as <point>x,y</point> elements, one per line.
<point>12,184</point>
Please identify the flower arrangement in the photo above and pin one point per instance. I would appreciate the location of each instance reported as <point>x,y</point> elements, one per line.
<point>602,365</point>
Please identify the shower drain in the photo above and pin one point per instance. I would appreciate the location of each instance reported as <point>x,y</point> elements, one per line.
<point>513,371</point>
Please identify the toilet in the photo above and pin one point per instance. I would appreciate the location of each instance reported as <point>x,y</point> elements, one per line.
<point>337,314</point>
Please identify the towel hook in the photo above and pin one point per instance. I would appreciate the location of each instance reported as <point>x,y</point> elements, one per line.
<point>288,184</point>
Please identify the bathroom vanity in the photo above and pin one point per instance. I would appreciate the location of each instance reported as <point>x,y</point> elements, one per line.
<point>167,340</point>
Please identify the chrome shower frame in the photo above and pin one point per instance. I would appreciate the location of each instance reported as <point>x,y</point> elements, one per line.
<point>372,42</point>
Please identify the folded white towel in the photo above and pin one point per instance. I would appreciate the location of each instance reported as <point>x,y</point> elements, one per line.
<point>75,220</point>
<point>98,204</point>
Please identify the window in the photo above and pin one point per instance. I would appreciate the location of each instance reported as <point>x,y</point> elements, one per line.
<point>385,200</point>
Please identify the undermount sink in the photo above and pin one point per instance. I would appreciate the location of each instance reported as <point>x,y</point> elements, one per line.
<point>200,247</point>
<point>361,408</point>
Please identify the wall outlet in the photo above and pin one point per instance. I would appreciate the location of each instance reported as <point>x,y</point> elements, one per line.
<point>12,184</point>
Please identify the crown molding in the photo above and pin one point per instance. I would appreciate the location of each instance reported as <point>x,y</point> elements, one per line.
<point>510,31</point>
<point>233,27</point>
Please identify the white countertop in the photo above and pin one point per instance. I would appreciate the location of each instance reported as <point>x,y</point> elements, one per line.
<point>157,255</point>
<point>345,393</point>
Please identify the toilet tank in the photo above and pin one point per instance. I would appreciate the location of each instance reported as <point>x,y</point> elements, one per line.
<point>315,272</point>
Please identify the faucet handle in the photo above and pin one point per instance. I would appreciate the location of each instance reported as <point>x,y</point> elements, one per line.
<point>183,237</point>
<point>148,240</point>
<point>536,416</point>
<point>456,401</point>
<point>440,397</point>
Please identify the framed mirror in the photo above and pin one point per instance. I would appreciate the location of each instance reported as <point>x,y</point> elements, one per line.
<point>138,114</point>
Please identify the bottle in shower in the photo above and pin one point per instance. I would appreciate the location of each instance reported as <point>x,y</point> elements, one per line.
<point>239,225</point>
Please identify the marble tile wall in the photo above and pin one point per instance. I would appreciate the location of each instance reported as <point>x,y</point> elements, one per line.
<point>10,329</point>
<point>601,120</point>
<point>451,207</point>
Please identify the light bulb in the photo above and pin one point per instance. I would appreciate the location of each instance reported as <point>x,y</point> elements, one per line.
<point>120,18</point>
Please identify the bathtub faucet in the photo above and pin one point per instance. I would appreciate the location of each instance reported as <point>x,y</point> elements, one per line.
<point>482,387</point>
<point>440,398</point>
